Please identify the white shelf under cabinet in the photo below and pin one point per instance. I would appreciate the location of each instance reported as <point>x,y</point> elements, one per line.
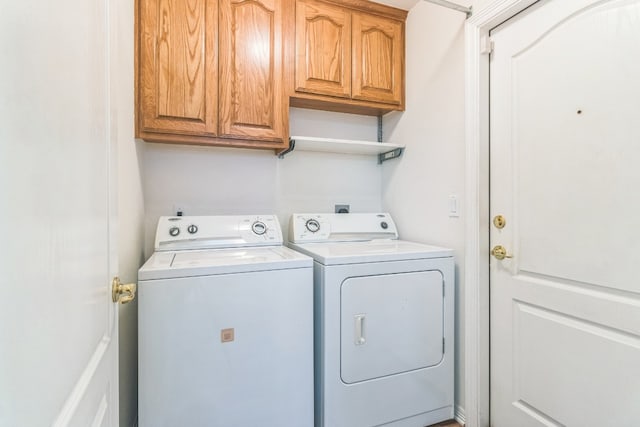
<point>383,150</point>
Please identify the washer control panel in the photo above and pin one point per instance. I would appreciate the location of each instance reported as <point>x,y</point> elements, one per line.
<point>341,227</point>
<point>212,232</point>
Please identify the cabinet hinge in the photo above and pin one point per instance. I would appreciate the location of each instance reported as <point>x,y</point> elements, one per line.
<point>486,45</point>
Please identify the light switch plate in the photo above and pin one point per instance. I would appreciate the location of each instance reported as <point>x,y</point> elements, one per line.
<point>454,206</point>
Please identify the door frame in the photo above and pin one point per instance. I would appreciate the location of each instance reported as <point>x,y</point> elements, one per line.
<point>476,278</point>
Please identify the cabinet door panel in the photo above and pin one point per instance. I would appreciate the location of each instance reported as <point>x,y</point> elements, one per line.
<point>378,59</point>
<point>178,67</point>
<point>251,78</point>
<point>323,49</point>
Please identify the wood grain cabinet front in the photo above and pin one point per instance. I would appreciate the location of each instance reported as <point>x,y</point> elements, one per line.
<point>252,98</point>
<point>378,59</point>
<point>349,56</point>
<point>210,72</point>
<point>178,74</point>
<point>323,49</point>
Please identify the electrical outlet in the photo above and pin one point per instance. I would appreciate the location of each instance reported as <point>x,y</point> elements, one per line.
<point>342,208</point>
<point>178,210</point>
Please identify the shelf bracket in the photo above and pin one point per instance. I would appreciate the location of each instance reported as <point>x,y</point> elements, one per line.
<point>393,154</point>
<point>292,145</point>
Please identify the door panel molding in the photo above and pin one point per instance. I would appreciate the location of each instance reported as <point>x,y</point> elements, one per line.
<point>534,413</point>
<point>539,348</point>
<point>81,388</point>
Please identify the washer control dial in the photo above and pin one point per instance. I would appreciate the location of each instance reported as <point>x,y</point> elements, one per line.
<point>259,228</point>
<point>174,231</point>
<point>312,225</point>
<point>384,225</point>
<point>192,229</point>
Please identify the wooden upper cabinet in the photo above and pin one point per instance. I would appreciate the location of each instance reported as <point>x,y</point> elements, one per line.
<point>252,102</point>
<point>349,56</point>
<point>323,49</point>
<point>178,66</point>
<point>210,72</point>
<point>378,59</point>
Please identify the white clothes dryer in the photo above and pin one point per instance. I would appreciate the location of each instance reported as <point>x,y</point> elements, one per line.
<point>384,313</point>
<point>225,320</point>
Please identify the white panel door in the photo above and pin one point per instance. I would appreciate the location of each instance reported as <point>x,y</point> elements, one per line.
<point>565,150</point>
<point>58,327</point>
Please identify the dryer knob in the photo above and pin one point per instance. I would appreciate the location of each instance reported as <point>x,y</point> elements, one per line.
<point>259,228</point>
<point>312,225</point>
<point>174,231</point>
<point>192,229</point>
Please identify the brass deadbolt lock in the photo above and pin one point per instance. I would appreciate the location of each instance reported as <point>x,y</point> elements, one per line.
<point>499,221</point>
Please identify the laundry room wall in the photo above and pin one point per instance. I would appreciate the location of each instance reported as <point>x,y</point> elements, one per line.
<point>416,187</point>
<point>227,181</point>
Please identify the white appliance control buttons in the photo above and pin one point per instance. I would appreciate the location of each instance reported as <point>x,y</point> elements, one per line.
<point>312,225</point>
<point>174,231</point>
<point>192,229</point>
<point>259,228</point>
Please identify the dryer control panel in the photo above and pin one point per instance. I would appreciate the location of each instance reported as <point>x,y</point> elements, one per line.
<point>212,232</point>
<point>351,227</point>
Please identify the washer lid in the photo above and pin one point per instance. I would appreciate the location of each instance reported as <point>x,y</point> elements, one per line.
<point>175,264</point>
<point>371,251</point>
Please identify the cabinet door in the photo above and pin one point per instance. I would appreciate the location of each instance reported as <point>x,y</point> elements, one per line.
<point>378,59</point>
<point>252,98</point>
<point>178,68</point>
<point>323,49</point>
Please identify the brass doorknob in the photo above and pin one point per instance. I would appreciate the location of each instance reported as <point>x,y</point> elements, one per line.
<point>122,293</point>
<point>500,252</point>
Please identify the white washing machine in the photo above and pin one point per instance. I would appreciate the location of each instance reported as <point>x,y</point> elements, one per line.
<point>384,313</point>
<point>225,317</point>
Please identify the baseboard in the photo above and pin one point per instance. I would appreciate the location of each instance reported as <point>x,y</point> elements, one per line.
<point>459,415</point>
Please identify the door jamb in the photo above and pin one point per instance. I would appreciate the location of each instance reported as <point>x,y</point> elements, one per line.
<point>476,288</point>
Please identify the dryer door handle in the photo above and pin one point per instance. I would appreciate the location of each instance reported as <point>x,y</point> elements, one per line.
<point>359,329</point>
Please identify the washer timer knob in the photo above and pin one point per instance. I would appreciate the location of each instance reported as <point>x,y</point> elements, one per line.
<point>174,231</point>
<point>192,229</point>
<point>312,225</point>
<point>259,228</point>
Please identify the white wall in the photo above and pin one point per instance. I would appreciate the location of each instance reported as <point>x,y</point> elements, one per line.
<point>210,180</point>
<point>130,233</point>
<point>416,187</point>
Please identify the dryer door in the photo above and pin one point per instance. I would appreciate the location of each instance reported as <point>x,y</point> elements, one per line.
<point>390,324</point>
